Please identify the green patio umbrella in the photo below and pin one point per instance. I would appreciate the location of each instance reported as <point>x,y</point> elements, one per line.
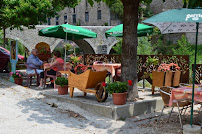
<point>176,21</point>
<point>66,31</point>
<point>117,31</point>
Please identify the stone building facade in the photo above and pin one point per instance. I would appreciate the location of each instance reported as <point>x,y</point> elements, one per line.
<point>85,15</point>
<point>99,45</point>
<point>158,6</point>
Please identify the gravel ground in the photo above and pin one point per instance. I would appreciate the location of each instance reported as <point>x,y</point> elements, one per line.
<point>24,111</point>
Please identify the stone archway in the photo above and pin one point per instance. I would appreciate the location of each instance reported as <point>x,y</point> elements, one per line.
<point>30,37</point>
<point>85,46</point>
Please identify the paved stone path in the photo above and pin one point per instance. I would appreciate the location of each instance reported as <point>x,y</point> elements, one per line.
<point>24,110</point>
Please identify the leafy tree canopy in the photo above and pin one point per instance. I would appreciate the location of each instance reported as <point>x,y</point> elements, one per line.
<point>14,13</point>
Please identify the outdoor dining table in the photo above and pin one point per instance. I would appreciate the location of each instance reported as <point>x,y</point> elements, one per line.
<point>185,93</point>
<point>106,66</point>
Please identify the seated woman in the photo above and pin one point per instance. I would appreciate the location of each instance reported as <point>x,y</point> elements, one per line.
<point>55,60</point>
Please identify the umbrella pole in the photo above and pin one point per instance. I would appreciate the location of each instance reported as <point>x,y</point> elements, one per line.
<point>191,121</point>
<point>65,53</point>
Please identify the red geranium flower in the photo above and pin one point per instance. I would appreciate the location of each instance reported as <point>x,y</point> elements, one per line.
<point>130,82</point>
<point>103,84</point>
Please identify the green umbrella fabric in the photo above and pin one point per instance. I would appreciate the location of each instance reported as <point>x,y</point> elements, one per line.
<point>176,21</point>
<point>71,31</point>
<point>117,31</point>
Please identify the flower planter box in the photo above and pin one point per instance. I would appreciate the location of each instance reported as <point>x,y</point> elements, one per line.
<point>176,78</point>
<point>168,79</point>
<point>157,79</point>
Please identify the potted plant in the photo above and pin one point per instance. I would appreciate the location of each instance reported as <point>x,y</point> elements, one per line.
<point>118,90</point>
<point>62,85</point>
<point>17,76</point>
<point>75,60</point>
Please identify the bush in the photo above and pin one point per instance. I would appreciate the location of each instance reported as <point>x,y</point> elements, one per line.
<point>17,74</point>
<point>61,81</point>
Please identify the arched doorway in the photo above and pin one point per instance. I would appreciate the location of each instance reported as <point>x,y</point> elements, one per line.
<point>44,52</point>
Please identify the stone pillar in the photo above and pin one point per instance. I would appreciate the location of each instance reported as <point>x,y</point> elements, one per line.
<point>102,49</point>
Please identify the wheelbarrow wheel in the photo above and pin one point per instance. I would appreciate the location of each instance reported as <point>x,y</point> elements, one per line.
<point>101,94</point>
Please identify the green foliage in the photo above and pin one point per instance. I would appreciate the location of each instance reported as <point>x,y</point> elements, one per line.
<point>183,47</point>
<point>156,31</point>
<point>117,87</point>
<point>192,3</point>
<point>106,24</point>
<point>15,13</point>
<point>151,61</point>
<point>21,48</point>
<point>118,47</point>
<point>163,47</point>
<point>144,46</point>
<point>117,8</point>
<point>62,81</point>
<point>68,46</point>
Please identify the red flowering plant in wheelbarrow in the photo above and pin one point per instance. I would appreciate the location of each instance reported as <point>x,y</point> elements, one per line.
<point>118,90</point>
<point>80,68</point>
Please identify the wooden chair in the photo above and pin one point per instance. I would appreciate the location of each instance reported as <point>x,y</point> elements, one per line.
<point>29,76</point>
<point>89,82</point>
<point>165,94</point>
<point>60,67</point>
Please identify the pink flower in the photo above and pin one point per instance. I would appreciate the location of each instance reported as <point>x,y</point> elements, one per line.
<point>17,73</point>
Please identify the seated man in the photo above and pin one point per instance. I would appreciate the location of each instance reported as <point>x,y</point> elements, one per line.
<point>35,62</point>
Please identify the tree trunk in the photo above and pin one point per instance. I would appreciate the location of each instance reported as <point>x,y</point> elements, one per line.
<point>129,48</point>
<point>4,37</point>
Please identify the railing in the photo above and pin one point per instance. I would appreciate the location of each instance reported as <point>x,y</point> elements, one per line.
<point>181,60</point>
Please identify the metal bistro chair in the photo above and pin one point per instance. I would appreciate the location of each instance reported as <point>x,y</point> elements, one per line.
<point>60,67</point>
<point>29,76</point>
<point>165,94</point>
<point>117,76</point>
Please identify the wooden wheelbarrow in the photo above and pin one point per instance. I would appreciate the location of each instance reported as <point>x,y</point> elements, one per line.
<point>88,82</point>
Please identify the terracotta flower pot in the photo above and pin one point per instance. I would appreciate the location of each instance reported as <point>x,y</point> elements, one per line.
<point>62,90</point>
<point>119,98</point>
<point>18,81</point>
